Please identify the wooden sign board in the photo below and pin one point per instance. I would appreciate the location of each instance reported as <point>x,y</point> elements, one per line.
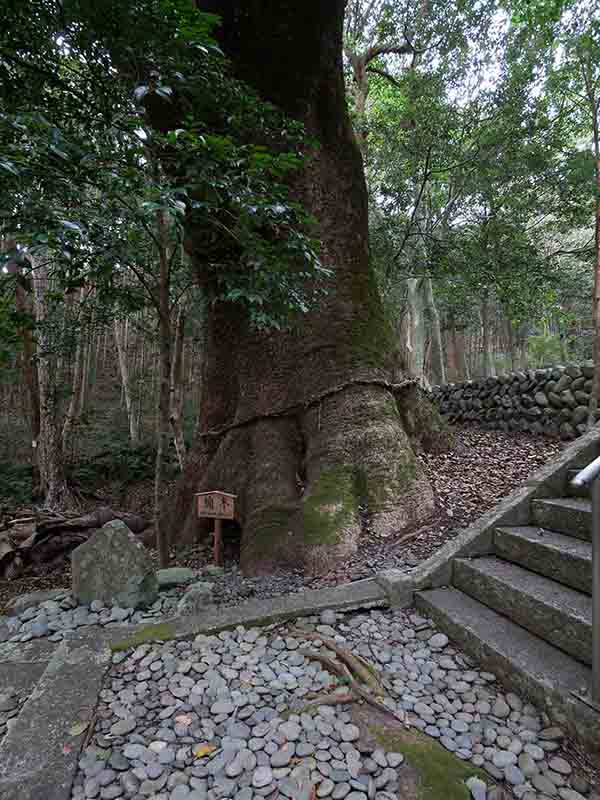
<point>216,505</point>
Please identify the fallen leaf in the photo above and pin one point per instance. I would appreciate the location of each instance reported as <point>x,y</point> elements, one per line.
<point>183,719</point>
<point>67,749</point>
<point>204,750</point>
<point>78,728</point>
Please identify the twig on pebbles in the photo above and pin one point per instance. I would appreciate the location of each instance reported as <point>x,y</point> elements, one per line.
<point>357,666</point>
<point>344,674</point>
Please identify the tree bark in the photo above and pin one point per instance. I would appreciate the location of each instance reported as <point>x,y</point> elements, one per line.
<point>23,306</point>
<point>176,390</point>
<point>416,331</point>
<point>457,363</point>
<point>126,384</point>
<point>489,370</point>
<point>164,386</point>
<point>50,454</point>
<point>74,401</point>
<point>314,403</point>
<point>438,361</point>
<point>594,103</point>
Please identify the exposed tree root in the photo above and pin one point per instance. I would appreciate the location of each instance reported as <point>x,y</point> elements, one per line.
<point>346,676</point>
<point>359,667</point>
<point>330,699</point>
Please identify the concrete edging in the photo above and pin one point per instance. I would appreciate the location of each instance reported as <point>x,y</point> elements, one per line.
<point>359,594</point>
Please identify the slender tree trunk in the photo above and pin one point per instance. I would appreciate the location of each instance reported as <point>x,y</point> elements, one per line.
<point>511,344</point>
<point>162,433</point>
<point>416,330</point>
<point>82,392</point>
<point>462,363</point>
<point>71,414</point>
<point>177,378</point>
<point>50,454</point>
<point>438,361</point>
<point>316,403</point>
<point>489,369</point>
<point>104,348</point>
<point>595,393</point>
<point>140,388</point>
<point>73,410</point>
<point>126,384</point>
<point>594,107</point>
<point>23,306</point>
<point>451,363</point>
<point>522,348</point>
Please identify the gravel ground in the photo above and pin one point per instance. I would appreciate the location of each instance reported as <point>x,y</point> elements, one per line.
<point>483,467</point>
<point>243,715</point>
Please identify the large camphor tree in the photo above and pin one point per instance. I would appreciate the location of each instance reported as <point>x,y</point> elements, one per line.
<point>314,425</point>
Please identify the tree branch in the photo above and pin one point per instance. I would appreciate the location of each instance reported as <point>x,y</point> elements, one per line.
<point>377,50</point>
<point>426,175</point>
<point>385,75</point>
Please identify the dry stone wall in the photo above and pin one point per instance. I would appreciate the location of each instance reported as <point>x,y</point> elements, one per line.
<point>551,401</point>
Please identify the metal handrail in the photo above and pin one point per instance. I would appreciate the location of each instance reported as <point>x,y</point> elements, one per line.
<point>587,474</point>
<point>590,475</point>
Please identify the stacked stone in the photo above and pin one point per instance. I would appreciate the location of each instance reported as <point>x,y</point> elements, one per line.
<point>551,402</point>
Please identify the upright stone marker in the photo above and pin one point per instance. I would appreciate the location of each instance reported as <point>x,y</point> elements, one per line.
<point>114,568</point>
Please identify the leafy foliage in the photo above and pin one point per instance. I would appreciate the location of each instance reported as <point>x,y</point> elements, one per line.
<point>88,163</point>
<point>478,173</point>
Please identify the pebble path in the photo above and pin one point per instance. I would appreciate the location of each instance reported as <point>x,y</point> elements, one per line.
<point>54,618</point>
<point>225,717</point>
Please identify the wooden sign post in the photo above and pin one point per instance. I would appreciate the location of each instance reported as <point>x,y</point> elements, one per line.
<point>217,506</point>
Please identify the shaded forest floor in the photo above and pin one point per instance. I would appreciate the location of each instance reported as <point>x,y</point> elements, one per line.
<point>482,467</point>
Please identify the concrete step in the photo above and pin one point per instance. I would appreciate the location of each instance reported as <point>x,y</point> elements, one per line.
<point>569,515</point>
<point>556,613</point>
<point>562,558</point>
<point>38,756</point>
<point>521,661</point>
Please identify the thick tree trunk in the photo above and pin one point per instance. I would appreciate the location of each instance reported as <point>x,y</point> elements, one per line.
<point>303,426</point>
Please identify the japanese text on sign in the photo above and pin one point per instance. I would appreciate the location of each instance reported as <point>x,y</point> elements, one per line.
<point>216,505</point>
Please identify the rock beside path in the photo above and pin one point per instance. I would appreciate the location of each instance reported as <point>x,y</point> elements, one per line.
<point>20,604</point>
<point>114,568</point>
<point>175,576</point>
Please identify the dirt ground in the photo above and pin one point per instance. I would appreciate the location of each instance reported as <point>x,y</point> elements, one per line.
<point>482,467</point>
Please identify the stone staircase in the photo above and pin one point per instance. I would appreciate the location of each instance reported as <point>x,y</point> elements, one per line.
<point>525,609</point>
